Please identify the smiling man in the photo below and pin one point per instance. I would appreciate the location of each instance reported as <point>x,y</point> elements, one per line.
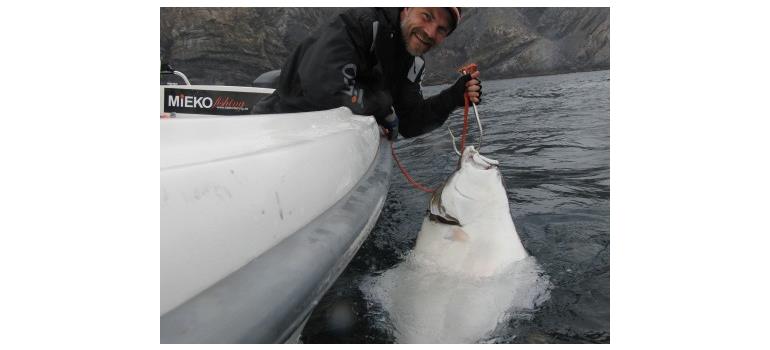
<point>370,60</point>
<point>423,28</point>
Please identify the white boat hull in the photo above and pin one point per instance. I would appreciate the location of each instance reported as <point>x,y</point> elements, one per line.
<point>242,199</point>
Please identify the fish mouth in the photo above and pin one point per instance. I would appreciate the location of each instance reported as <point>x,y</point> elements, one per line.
<point>484,162</point>
<point>475,159</point>
<point>437,212</point>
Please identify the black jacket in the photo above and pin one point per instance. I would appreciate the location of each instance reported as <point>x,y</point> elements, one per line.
<point>359,60</point>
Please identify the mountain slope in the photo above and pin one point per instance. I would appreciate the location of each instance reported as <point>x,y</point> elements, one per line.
<point>232,46</point>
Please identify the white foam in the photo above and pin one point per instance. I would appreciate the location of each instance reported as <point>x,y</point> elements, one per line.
<point>428,305</point>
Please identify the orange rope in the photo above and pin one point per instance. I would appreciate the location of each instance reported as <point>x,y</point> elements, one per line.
<point>414,184</point>
<point>468,69</point>
<point>411,181</point>
<point>465,125</point>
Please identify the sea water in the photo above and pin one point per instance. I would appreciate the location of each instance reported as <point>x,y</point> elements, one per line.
<point>551,135</point>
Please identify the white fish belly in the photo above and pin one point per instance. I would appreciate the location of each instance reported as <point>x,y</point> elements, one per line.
<point>478,250</point>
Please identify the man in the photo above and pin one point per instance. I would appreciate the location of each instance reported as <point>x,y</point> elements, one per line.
<point>370,60</point>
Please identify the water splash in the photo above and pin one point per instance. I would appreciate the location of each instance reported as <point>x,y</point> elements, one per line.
<point>426,304</point>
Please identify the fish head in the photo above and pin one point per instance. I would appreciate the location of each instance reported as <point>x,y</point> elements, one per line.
<point>474,191</point>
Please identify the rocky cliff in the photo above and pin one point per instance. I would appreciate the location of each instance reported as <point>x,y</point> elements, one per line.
<point>232,46</point>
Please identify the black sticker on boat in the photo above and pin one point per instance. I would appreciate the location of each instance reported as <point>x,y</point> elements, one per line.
<point>213,102</point>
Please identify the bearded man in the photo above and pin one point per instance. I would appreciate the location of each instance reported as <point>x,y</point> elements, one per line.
<point>371,61</point>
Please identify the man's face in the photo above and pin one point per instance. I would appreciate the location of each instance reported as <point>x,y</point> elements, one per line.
<point>424,27</point>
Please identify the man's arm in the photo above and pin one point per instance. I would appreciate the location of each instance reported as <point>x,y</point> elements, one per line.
<point>330,71</point>
<point>418,116</point>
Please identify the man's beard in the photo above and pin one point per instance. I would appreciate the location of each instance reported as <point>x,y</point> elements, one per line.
<point>407,35</point>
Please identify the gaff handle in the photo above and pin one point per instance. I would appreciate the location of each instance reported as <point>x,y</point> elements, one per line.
<point>468,69</point>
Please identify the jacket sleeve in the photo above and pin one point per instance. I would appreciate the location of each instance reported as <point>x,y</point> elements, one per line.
<point>417,115</point>
<point>330,71</point>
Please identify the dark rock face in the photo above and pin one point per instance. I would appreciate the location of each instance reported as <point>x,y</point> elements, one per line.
<point>232,46</point>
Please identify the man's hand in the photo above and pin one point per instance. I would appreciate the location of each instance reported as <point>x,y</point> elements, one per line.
<point>469,83</point>
<point>390,126</point>
<point>473,87</point>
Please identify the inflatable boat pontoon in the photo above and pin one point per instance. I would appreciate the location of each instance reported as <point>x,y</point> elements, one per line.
<point>259,214</point>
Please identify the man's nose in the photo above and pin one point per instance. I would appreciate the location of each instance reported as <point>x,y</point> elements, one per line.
<point>431,30</point>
